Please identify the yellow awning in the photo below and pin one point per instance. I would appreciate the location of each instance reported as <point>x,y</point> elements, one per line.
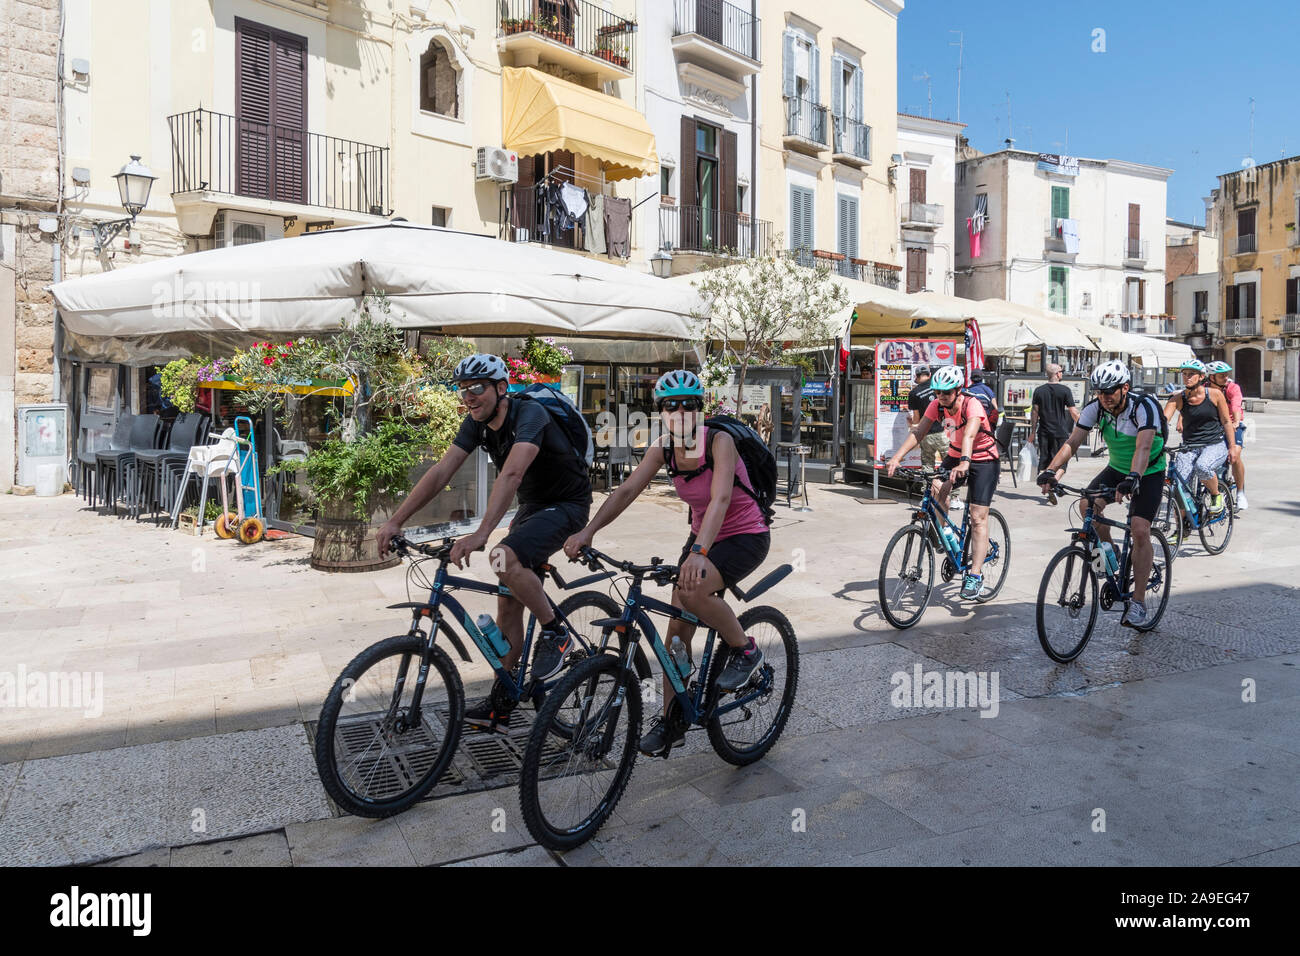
<point>542,113</point>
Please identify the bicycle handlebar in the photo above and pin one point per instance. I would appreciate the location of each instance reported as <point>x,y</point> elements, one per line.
<point>657,570</point>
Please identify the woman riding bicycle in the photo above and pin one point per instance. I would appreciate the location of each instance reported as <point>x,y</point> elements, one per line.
<point>1207,431</point>
<point>728,540</point>
<point>972,452</point>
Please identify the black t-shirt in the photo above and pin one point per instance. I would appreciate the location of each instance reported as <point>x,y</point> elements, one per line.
<point>556,474</point>
<point>919,399</point>
<point>1052,399</point>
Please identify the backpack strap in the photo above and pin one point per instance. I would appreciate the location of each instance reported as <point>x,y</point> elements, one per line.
<point>965,418</point>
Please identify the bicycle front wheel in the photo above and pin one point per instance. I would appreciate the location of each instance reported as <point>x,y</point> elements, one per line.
<point>571,783</point>
<point>998,560</point>
<point>1216,530</point>
<point>745,734</point>
<point>906,576</point>
<point>1170,520</point>
<point>1067,604</point>
<point>374,757</point>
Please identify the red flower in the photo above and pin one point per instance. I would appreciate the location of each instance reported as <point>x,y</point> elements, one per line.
<point>268,360</point>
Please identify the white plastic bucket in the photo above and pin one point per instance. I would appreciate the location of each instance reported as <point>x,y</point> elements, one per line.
<point>49,480</point>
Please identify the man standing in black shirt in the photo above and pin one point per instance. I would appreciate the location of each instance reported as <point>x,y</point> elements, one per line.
<point>536,459</point>
<point>1053,415</point>
<point>918,400</point>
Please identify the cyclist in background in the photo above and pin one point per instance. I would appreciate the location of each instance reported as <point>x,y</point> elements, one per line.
<point>1237,411</point>
<point>972,452</point>
<point>1132,428</point>
<point>729,536</point>
<point>1206,423</point>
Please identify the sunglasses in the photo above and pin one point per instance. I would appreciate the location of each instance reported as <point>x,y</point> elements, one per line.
<point>944,391</point>
<point>475,390</point>
<point>1109,391</point>
<point>685,404</point>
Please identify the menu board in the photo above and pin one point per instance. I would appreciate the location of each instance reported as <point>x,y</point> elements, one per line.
<point>1018,391</point>
<point>896,362</point>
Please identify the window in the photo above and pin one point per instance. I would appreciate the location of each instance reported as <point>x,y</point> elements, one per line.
<point>1135,294</point>
<point>801,221</point>
<point>915,270</point>
<point>1245,222</point>
<point>665,181</point>
<point>800,68</point>
<point>1060,202</point>
<point>1058,283</point>
<point>706,182</point>
<point>1200,306</point>
<point>439,81</point>
<point>740,199</point>
<point>441,216</point>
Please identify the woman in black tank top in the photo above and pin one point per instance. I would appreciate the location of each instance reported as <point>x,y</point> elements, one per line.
<point>1206,432</point>
<point>1200,421</point>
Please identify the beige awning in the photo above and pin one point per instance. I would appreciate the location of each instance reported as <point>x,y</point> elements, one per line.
<point>542,114</point>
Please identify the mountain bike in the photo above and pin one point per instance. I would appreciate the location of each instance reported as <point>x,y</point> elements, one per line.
<point>1069,596</point>
<point>391,723</point>
<point>571,782</point>
<point>907,566</point>
<point>1186,507</point>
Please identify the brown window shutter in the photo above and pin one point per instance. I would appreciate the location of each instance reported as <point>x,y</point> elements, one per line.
<point>289,109</point>
<point>1142,295</point>
<point>727,186</point>
<point>252,109</point>
<point>1134,221</point>
<point>1230,304</point>
<point>915,270</point>
<point>1250,302</point>
<point>686,171</point>
<point>1292,294</point>
<point>916,186</point>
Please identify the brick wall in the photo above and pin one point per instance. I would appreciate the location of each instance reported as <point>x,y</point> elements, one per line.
<point>1179,261</point>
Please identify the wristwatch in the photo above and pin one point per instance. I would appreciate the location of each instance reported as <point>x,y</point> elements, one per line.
<point>700,550</point>
<point>965,457</point>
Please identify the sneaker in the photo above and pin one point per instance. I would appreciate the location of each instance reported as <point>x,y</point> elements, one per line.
<point>548,655</point>
<point>492,713</point>
<point>1216,504</point>
<point>972,587</point>
<point>741,666</point>
<point>1135,615</point>
<point>1241,501</point>
<point>663,735</point>
<point>955,504</point>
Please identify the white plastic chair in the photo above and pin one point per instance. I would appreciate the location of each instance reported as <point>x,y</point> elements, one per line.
<point>206,462</point>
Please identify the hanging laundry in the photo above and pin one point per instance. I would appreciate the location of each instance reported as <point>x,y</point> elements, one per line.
<point>975,237</point>
<point>981,217</point>
<point>618,225</point>
<point>1069,232</point>
<point>573,203</point>
<point>593,237</point>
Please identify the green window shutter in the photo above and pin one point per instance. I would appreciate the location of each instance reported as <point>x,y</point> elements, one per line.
<point>1060,202</point>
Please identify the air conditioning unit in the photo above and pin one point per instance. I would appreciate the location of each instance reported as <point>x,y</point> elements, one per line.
<point>231,228</point>
<point>1273,345</point>
<point>497,164</point>
<point>1293,342</point>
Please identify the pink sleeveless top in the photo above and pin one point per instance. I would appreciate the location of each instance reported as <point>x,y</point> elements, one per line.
<point>743,515</point>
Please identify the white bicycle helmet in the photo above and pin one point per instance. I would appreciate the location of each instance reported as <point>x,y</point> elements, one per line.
<point>481,366</point>
<point>1110,375</point>
<point>1218,368</point>
<point>946,378</point>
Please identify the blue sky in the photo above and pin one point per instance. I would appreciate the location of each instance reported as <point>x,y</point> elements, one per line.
<point>1172,88</point>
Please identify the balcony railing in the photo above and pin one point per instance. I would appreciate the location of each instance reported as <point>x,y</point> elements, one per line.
<point>922,213</point>
<point>1136,249</point>
<point>1244,245</point>
<point>575,23</point>
<point>699,229</point>
<point>1293,239</point>
<point>527,216</point>
<point>877,273</point>
<point>1241,327</point>
<point>216,152</point>
<point>1290,324</point>
<point>1147,325</point>
<point>805,119</point>
<point>852,138</point>
<point>726,25</point>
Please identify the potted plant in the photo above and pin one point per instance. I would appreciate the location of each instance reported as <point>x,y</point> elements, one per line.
<point>179,382</point>
<point>542,360</point>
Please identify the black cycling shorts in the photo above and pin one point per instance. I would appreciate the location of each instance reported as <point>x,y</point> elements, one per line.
<point>538,533</point>
<point>983,477</point>
<point>735,557</point>
<point>1151,489</point>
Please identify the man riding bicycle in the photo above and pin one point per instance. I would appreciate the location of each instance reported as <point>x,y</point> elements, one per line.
<point>972,451</point>
<point>729,536</point>
<point>1237,409</point>
<point>1133,430</point>
<point>535,458</point>
<point>1207,431</point>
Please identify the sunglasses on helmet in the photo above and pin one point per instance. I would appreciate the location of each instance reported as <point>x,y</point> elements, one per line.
<point>685,404</point>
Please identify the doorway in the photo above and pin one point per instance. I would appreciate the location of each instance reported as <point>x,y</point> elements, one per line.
<point>1246,371</point>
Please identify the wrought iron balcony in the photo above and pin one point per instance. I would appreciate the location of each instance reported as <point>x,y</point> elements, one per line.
<point>700,229</point>
<point>219,153</point>
<point>1135,250</point>
<point>575,34</point>
<point>805,122</point>
<point>852,140</point>
<point>1241,327</point>
<point>722,24</point>
<point>1244,245</point>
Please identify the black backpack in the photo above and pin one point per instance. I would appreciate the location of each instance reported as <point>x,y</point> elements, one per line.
<point>759,461</point>
<point>566,415</point>
<point>1139,397</point>
<point>990,410</point>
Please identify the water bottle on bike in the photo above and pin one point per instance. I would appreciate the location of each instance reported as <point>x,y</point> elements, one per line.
<point>493,634</point>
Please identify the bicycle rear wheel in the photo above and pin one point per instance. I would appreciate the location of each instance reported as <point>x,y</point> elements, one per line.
<point>373,759</point>
<point>906,576</point>
<point>1067,604</point>
<point>745,734</point>
<point>1158,585</point>
<point>1216,530</point>
<point>1169,520</point>
<point>570,784</point>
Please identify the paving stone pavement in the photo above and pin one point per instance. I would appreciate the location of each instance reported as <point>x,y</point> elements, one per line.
<point>214,659</point>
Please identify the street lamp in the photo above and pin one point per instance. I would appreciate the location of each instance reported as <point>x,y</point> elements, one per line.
<point>134,181</point>
<point>661,264</point>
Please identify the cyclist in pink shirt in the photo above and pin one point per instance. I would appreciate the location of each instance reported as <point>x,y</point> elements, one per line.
<point>1237,413</point>
<point>729,537</point>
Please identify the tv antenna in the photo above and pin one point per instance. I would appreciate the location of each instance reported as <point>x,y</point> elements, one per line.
<point>929,93</point>
<point>961,46</point>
